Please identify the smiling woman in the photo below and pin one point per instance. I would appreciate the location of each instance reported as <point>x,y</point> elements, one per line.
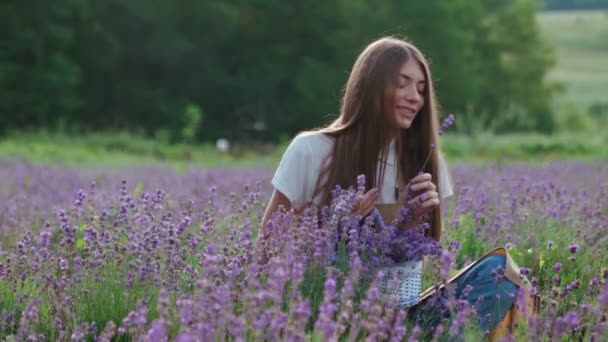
<point>409,94</point>
<point>387,124</point>
<point>388,132</point>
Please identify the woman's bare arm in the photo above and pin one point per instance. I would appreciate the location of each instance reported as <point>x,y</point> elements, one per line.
<point>276,200</point>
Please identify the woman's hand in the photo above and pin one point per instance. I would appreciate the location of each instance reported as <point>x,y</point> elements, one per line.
<point>426,197</point>
<point>367,202</point>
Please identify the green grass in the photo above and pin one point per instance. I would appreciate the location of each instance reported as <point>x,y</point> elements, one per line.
<point>533,148</point>
<point>580,39</point>
<point>123,150</point>
<point>119,150</point>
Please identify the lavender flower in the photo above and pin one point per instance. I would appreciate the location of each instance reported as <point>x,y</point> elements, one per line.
<point>446,260</point>
<point>602,298</point>
<point>184,337</point>
<point>447,122</point>
<point>108,332</point>
<point>158,332</point>
<point>557,267</point>
<point>571,319</point>
<point>197,240</point>
<point>399,330</point>
<point>416,332</point>
<point>325,323</point>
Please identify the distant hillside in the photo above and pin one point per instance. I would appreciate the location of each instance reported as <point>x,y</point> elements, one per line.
<point>574,4</point>
<point>581,42</point>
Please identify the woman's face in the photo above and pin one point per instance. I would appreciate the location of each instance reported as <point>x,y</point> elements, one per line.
<point>409,93</point>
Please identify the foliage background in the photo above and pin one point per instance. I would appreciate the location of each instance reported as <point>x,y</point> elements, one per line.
<point>257,72</point>
<point>257,69</point>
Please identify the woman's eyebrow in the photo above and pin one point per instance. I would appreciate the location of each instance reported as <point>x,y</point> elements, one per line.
<point>409,78</point>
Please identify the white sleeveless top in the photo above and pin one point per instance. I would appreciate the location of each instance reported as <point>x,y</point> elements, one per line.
<point>302,162</point>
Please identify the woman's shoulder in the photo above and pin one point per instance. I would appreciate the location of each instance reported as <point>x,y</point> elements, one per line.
<point>316,141</point>
<point>297,174</point>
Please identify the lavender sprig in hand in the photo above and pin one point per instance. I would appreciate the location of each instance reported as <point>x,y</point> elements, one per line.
<point>447,123</point>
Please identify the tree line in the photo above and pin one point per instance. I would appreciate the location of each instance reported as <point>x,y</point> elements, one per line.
<point>257,69</point>
<point>574,4</point>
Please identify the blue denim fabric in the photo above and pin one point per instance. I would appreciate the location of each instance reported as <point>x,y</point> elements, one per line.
<point>491,299</point>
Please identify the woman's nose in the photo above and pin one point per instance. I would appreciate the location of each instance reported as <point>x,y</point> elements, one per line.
<point>413,94</point>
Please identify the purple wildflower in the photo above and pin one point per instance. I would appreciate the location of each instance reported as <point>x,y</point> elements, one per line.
<point>416,332</point>
<point>446,260</point>
<point>571,319</point>
<point>184,337</point>
<point>557,267</point>
<point>399,330</point>
<point>108,332</point>
<point>325,323</point>
<point>602,298</point>
<point>158,332</point>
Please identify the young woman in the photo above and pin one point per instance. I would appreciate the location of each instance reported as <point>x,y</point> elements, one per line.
<point>387,125</point>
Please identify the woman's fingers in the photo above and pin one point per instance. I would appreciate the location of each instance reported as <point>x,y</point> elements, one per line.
<point>423,177</point>
<point>422,183</point>
<point>367,202</point>
<point>371,196</point>
<point>374,195</point>
<point>431,203</point>
<point>367,209</point>
<point>425,203</point>
<point>426,199</point>
<point>426,206</point>
<point>426,185</point>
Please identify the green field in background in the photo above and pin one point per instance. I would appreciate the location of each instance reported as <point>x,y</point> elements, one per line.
<point>580,39</point>
<point>128,150</point>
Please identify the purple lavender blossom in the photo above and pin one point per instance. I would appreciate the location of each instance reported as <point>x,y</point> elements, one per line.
<point>571,319</point>
<point>602,298</point>
<point>326,323</point>
<point>204,224</point>
<point>158,332</point>
<point>416,332</point>
<point>557,267</point>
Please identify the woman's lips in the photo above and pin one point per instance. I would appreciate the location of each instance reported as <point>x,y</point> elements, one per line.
<point>406,112</point>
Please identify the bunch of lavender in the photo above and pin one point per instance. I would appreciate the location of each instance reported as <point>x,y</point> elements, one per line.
<point>378,244</point>
<point>413,242</point>
<point>352,233</point>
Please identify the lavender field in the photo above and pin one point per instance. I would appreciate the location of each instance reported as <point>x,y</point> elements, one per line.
<point>152,254</point>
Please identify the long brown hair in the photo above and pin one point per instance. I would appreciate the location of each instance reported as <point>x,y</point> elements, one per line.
<point>366,124</point>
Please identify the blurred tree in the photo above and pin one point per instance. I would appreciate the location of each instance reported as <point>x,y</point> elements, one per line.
<point>574,4</point>
<point>514,63</point>
<point>259,68</point>
<point>38,77</point>
<point>132,57</point>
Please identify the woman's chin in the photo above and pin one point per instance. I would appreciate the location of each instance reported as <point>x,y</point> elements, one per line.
<point>404,123</point>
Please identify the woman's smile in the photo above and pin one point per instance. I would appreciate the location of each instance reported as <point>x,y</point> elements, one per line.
<point>406,111</point>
